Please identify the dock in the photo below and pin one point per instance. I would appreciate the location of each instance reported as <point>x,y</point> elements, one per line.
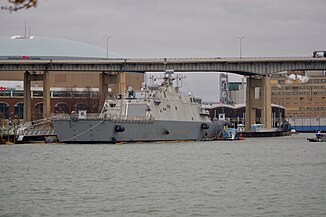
<point>36,131</point>
<point>265,134</point>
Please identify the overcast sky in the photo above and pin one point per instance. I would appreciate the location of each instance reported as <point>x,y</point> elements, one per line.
<point>180,28</point>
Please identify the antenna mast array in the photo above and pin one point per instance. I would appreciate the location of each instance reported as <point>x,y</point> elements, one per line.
<point>224,89</point>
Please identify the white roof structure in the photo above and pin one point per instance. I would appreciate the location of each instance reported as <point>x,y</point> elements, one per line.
<point>37,47</point>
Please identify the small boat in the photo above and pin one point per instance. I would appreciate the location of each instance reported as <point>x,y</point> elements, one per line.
<point>320,137</point>
<point>230,134</point>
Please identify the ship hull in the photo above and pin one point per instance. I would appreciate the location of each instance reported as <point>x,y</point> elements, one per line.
<point>108,131</point>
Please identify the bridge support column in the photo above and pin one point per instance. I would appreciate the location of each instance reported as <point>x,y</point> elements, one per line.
<point>28,78</point>
<point>27,97</point>
<point>46,95</point>
<point>122,82</point>
<point>118,79</point>
<point>258,96</point>
<point>250,99</point>
<point>266,108</point>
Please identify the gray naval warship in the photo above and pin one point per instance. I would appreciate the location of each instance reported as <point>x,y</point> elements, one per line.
<point>155,113</point>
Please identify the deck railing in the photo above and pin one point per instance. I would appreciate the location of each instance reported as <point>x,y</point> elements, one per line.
<point>97,116</point>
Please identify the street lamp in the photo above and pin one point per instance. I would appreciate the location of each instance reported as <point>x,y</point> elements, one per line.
<point>240,40</point>
<point>107,45</point>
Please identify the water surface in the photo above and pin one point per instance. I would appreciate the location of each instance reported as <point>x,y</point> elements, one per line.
<point>283,176</point>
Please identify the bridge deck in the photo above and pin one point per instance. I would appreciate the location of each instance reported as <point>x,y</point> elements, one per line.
<point>243,66</point>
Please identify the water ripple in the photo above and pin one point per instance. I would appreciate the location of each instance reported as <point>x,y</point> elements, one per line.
<point>256,177</point>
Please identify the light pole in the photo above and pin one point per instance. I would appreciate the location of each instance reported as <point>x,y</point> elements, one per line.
<point>240,40</point>
<point>107,45</point>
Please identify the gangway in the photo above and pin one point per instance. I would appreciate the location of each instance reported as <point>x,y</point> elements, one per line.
<point>38,130</point>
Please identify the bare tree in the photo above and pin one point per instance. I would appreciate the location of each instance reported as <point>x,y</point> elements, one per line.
<point>90,99</point>
<point>16,5</point>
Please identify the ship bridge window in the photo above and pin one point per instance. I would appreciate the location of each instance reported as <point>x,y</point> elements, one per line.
<point>112,105</point>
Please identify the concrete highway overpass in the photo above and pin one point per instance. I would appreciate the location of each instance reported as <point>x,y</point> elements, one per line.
<point>39,69</point>
<point>242,66</point>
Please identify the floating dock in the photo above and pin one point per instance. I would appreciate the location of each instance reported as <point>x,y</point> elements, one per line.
<point>265,134</point>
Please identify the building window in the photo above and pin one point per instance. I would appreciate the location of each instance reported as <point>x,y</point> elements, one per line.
<point>19,110</point>
<point>5,93</point>
<point>82,106</point>
<point>4,110</point>
<point>18,93</point>
<point>37,93</point>
<point>62,108</point>
<point>38,111</point>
